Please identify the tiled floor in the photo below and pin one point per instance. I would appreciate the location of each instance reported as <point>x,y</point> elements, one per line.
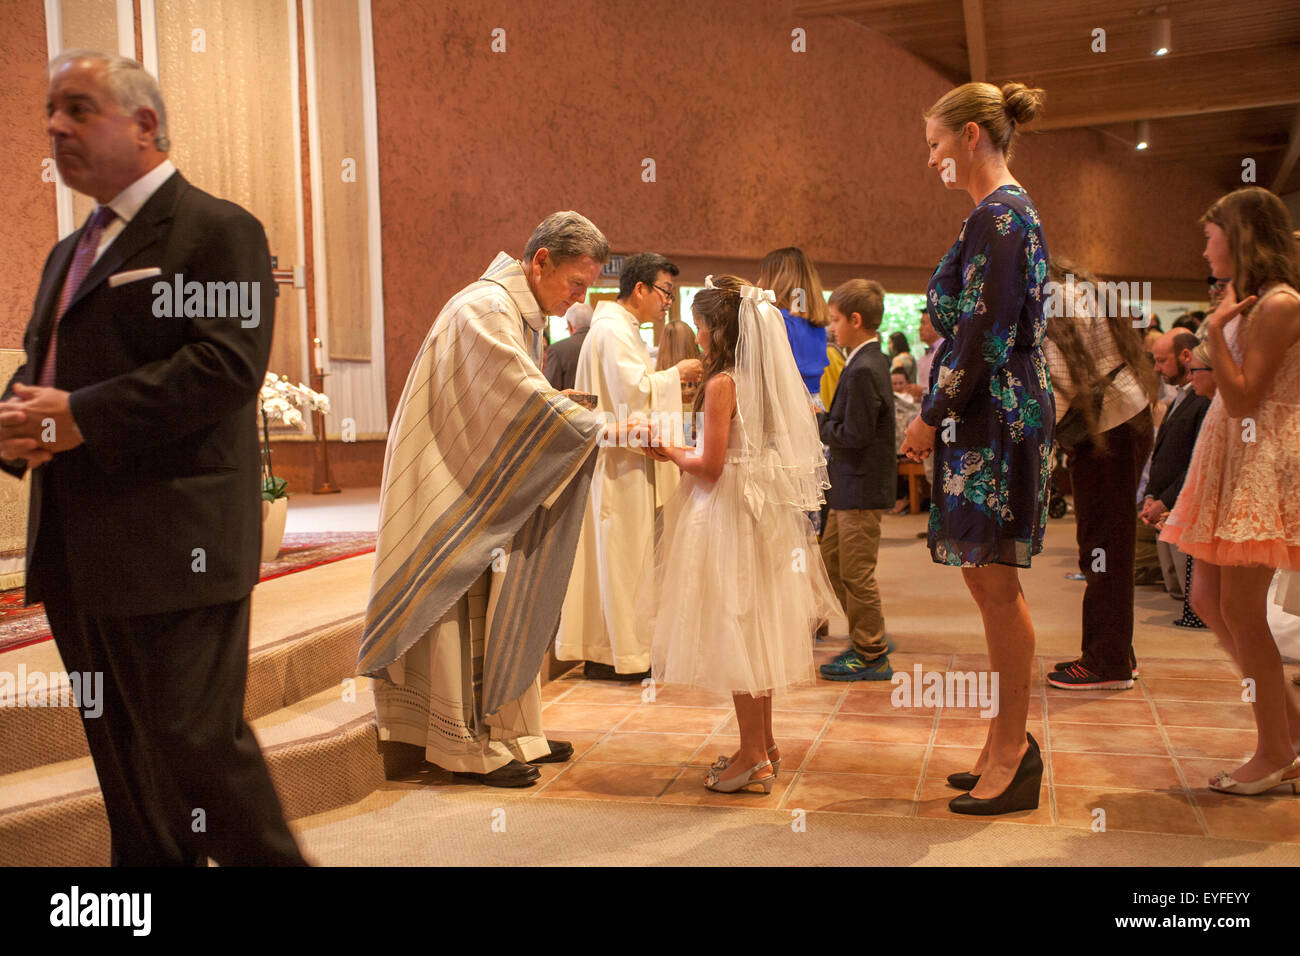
<point>1142,756</point>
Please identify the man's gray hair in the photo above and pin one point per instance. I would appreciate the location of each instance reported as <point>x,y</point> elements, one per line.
<point>567,235</point>
<point>128,83</point>
<point>578,316</point>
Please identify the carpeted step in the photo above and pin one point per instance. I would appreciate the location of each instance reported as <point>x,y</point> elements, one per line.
<point>280,673</point>
<point>322,752</point>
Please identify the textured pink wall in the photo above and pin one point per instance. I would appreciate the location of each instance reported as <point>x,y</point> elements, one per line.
<point>26,202</point>
<point>755,147</point>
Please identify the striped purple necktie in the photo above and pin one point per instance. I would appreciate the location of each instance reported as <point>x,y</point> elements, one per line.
<point>82,260</point>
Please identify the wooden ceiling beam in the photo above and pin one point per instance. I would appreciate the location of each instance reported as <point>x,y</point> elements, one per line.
<point>849,8</point>
<point>1292,154</point>
<point>976,48</point>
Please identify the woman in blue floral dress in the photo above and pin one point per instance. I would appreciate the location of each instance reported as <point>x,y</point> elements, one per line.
<point>989,415</point>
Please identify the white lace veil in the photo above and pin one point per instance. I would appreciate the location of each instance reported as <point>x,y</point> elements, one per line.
<point>782,456</point>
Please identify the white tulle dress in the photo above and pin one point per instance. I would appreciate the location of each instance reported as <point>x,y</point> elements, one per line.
<point>739,586</point>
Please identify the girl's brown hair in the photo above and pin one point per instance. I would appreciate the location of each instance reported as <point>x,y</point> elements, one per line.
<point>786,270</point>
<point>1089,379</point>
<point>997,111</point>
<point>1260,240</point>
<point>717,311</point>
<point>676,342</point>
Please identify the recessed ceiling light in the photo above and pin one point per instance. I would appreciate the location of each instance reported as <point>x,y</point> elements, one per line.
<point>1143,134</point>
<point>1162,40</point>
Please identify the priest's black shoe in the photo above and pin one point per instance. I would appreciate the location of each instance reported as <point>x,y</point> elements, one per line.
<point>1021,794</point>
<point>561,750</point>
<point>593,670</point>
<point>513,774</point>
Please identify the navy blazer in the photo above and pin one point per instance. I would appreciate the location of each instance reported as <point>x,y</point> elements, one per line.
<point>859,429</point>
<point>160,509</point>
<point>1173,448</point>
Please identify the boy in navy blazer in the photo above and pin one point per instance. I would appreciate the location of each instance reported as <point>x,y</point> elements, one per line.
<point>863,468</point>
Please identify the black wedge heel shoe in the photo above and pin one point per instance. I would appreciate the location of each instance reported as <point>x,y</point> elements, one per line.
<point>1021,794</point>
<point>963,781</point>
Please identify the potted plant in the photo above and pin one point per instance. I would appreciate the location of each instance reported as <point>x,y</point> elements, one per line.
<point>282,402</point>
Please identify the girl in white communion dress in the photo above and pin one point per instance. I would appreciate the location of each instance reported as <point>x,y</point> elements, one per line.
<point>738,583</point>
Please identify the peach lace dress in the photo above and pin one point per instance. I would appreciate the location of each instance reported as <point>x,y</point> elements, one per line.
<point>1240,504</point>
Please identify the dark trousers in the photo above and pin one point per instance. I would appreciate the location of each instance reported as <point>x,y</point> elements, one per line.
<point>182,775</point>
<point>1105,500</point>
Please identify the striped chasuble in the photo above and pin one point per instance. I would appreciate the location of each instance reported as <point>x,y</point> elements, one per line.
<point>486,464</point>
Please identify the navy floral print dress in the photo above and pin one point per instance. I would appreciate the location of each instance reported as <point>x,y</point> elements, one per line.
<point>990,395</point>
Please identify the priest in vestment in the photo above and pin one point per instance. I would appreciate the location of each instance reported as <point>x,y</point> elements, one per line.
<point>598,622</point>
<point>486,476</point>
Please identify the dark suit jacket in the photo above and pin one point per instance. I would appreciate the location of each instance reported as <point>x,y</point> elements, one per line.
<point>1173,448</point>
<point>562,360</point>
<point>167,405</point>
<point>859,428</point>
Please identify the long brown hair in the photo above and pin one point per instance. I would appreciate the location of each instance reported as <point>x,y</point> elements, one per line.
<point>785,270</point>
<point>1260,240</point>
<point>676,342</point>
<point>717,311</point>
<point>1089,379</point>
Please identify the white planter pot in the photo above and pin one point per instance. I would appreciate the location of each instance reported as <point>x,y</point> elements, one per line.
<point>274,514</point>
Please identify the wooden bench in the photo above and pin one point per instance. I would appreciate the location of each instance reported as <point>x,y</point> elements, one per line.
<point>914,471</point>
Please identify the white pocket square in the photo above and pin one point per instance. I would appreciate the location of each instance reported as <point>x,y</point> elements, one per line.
<point>132,275</point>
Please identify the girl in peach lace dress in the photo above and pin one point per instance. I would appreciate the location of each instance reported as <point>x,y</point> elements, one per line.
<point>1239,511</point>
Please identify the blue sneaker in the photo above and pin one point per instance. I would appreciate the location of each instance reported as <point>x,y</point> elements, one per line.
<point>853,666</point>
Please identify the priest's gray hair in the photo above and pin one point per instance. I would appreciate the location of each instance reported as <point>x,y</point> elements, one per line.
<point>567,235</point>
<point>578,316</point>
<point>128,83</point>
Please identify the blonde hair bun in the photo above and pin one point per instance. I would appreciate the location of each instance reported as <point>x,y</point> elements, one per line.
<point>1021,102</point>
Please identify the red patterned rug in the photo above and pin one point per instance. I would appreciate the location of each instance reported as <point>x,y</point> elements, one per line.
<point>21,626</point>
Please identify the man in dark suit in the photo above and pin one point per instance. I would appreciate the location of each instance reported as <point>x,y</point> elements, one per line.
<point>1174,443</point>
<point>863,470</point>
<point>136,410</point>
<point>562,357</point>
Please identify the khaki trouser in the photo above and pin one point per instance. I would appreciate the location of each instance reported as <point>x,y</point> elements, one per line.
<point>1146,557</point>
<point>850,543</point>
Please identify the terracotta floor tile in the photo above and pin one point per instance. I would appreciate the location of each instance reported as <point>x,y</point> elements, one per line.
<point>1083,710</point>
<point>1110,770</point>
<point>874,757</point>
<point>902,730</point>
<point>792,723</point>
<point>648,748</point>
<point>882,705</point>
<point>792,749</point>
<point>689,790</point>
<point>906,661</point>
<point>1217,716</point>
<point>560,717</point>
<point>679,695</point>
<point>1106,738</point>
<point>665,718</point>
<point>973,731</point>
<point>1133,693</point>
<point>1250,818</point>
<point>582,741</point>
<point>1150,812</point>
<point>1203,742</point>
<point>852,793</point>
<point>815,698</point>
<point>969,662</point>
<point>1155,667</point>
<point>946,760</point>
<point>612,781</point>
<point>1178,688</point>
<point>936,794</point>
<point>605,692</point>
<point>863,686</point>
<point>556,689</point>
